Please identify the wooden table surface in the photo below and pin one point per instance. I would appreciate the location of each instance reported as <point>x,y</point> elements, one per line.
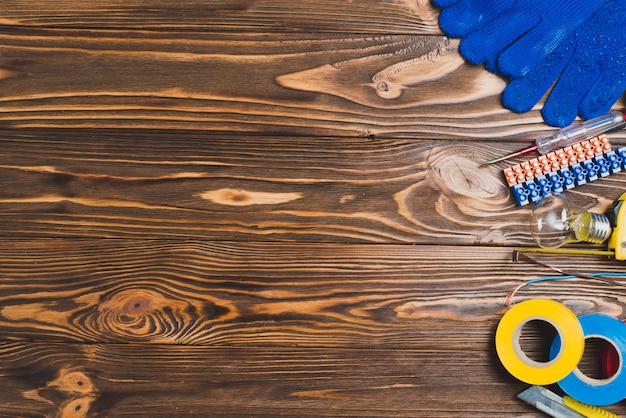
<point>260,208</point>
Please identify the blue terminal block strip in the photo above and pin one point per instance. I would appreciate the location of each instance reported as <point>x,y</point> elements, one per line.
<point>529,186</point>
<point>531,191</point>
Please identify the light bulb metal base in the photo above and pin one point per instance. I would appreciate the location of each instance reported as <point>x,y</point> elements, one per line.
<point>591,227</point>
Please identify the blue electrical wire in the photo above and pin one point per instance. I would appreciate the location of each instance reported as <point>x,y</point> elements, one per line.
<point>573,276</point>
<point>511,294</point>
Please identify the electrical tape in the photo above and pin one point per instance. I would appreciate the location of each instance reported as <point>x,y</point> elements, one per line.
<point>567,355</point>
<point>597,392</point>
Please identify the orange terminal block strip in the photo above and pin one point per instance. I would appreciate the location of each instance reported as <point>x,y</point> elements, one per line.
<point>564,169</point>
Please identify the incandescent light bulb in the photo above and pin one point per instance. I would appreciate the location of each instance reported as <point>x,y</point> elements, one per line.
<point>553,223</point>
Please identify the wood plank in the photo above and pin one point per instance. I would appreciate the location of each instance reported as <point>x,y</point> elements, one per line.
<point>350,85</point>
<point>358,330</point>
<point>361,16</point>
<point>154,184</point>
<point>236,294</point>
<point>275,381</point>
<point>340,85</point>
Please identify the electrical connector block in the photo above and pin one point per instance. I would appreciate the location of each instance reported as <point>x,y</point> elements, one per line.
<point>558,159</point>
<point>564,169</point>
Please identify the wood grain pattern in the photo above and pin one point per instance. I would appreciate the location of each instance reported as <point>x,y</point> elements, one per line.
<point>219,294</point>
<point>260,208</point>
<point>352,329</point>
<point>234,294</point>
<point>396,85</point>
<point>361,16</point>
<point>163,185</point>
<point>92,380</point>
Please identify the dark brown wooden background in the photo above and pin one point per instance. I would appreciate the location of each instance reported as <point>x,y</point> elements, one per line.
<point>259,208</point>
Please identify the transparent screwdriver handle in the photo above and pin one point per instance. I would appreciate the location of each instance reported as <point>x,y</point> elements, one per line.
<point>580,132</point>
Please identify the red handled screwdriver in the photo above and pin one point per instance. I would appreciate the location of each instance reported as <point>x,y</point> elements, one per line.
<point>571,135</point>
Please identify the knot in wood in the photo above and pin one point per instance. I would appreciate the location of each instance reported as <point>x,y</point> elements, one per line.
<point>140,313</point>
<point>77,407</point>
<point>72,393</point>
<point>75,382</point>
<point>160,316</point>
<point>382,86</point>
<point>389,89</point>
<point>457,176</point>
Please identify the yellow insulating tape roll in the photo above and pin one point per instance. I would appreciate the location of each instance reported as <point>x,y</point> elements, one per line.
<point>518,363</point>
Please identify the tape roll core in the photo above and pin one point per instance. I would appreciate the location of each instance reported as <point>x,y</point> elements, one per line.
<point>516,362</point>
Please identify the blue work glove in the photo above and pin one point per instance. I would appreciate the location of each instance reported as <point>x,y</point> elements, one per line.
<point>515,35</point>
<point>590,69</point>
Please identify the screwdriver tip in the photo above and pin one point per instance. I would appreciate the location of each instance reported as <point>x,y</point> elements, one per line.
<point>497,160</point>
<point>523,151</point>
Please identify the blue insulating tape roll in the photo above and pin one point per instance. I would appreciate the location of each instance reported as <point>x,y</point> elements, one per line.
<point>598,392</point>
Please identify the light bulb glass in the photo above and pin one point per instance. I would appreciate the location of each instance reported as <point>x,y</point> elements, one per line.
<point>553,223</point>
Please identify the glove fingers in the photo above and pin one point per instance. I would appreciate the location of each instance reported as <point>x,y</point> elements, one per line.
<point>562,105</point>
<point>608,87</point>
<point>530,49</point>
<point>522,94</point>
<point>593,79</point>
<point>553,29</point>
<point>466,16</point>
<point>609,43</point>
<point>490,40</point>
<point>599,100</point>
